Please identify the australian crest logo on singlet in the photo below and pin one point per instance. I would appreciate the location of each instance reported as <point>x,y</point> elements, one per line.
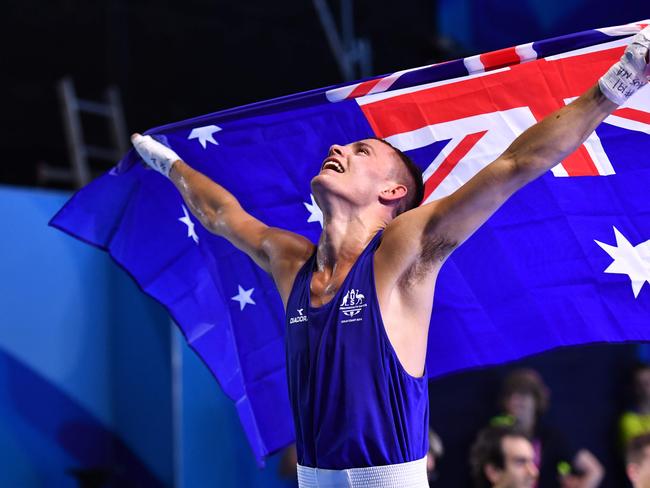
<point>297,319</point>
<point>352,304</point>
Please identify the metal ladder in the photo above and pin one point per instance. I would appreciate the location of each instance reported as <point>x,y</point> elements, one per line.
<point>81,172</point>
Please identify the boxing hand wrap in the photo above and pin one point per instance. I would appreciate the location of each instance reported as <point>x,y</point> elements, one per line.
<point>156,155</point>
<point>631,73</point>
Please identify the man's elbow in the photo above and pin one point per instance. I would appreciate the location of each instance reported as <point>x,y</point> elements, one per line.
<point>219,222</point>
<point>208,218</point>
<point>519,169</point>
<point>218,219</point>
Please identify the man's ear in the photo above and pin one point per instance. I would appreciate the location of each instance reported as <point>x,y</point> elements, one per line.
<point>492,473</point>
<point>632,471</point>
<point>393,192</point>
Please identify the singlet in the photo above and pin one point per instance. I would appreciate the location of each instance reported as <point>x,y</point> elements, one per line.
<point>353,403</point>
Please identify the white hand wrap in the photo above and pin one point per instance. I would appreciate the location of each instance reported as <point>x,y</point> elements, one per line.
<point>630,73</point>
<point>156,155</point>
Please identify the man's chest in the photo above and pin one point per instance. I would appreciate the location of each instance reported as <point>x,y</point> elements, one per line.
<point>324,288</point>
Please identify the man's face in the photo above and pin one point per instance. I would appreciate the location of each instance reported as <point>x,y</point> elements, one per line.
<point>643,383</point>
<point>356,172</point>
<point>519,470</point>
<point>520,405</point>
<point>639,473</point>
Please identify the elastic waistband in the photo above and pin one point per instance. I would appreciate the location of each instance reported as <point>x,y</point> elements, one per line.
<point>404,475</point>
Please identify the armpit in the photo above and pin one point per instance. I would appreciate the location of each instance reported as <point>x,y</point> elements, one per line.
<point>434,249</point>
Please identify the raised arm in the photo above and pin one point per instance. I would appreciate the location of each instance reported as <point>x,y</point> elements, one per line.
<point>533,153</point>
<point>444,224</point>
<point>278,252</point>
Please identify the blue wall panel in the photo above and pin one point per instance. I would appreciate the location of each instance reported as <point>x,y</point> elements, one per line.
<point>214,447</point>
<point>141,375</point>
<point>84,374</point>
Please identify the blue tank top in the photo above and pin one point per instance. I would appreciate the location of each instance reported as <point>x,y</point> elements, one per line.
<point>353,403</point>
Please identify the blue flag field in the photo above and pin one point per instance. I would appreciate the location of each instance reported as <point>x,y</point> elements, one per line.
<point>565,261</point>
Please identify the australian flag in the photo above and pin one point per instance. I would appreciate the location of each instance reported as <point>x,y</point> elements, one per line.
<point>565,261</point>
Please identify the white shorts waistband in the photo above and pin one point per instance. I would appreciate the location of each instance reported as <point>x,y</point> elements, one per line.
<point>404,475</point>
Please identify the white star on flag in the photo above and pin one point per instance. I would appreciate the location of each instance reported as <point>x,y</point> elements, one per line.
<point>204,134</point>
<point>315,213</point>
<point>244,297</point>
<point>633,261</point>
<point>190,225</point>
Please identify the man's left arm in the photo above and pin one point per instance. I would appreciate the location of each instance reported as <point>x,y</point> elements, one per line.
<point>532,154</point>
<point>444,224</point>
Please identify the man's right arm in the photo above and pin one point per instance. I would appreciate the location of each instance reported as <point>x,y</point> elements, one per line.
<point>279,252</point>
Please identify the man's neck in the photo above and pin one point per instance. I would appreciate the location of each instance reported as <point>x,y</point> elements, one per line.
<point>343,239</point>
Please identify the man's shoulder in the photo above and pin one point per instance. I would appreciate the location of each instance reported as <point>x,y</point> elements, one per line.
<point>411,248</point>
<point>289,245</point>
<point>288,252</point>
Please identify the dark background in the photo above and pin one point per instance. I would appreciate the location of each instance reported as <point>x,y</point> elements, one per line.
<point>173,60</point>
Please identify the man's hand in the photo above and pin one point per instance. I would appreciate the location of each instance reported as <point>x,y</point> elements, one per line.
<point>591,469</point>
<point>631,73</point>
<point>157,156</point>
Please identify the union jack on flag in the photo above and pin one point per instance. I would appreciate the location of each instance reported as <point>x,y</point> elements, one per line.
<point>565,261</point>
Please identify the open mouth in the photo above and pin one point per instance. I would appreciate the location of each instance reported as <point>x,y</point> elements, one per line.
<point>333,165</point>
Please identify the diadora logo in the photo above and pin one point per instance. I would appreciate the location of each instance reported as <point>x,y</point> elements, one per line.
<point>300,318</point>
<point>352,304</point>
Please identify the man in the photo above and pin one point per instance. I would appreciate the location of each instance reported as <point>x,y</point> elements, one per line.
<point>637,460</point>
<point>359,303</point>
<point>524,399</point>
<point>503,457</point>
<point>636,420</point>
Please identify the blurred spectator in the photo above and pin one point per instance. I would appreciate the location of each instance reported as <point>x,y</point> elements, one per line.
<point>637,460</point>
<point>585,472</point>
<point>636,421</point>
<point>503,457</point>
<point>524,399</point>
<point>434,453</point>
<point>288,467</point>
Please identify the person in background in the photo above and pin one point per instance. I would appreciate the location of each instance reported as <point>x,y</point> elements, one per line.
<point>503,457</point>
<point>435,452</point>
<point>524,399</point>
<point>637,460</point>
<point>636,421</point>
<point>287,469</point>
